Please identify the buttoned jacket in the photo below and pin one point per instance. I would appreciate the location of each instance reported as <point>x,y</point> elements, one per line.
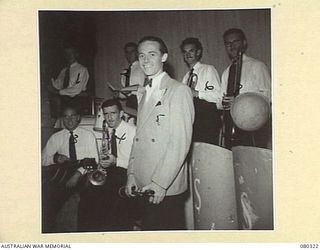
<point>163,137</point>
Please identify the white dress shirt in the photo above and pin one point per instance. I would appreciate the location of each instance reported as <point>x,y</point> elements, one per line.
<point>125,133</point>
<point>86,146</point>
<point>77,82</point>
<point>208,83</point>
<point>255,77</point>
<point>155,85</point>
<point>136,75</point>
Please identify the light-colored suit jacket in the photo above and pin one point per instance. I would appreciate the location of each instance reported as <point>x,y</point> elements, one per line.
<point>163,137</point>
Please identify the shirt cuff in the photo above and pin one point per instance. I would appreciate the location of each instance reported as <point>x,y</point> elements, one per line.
<point>82,170</point>
<point>121,163</point>
<point>209,97</point>
<point>159,184</point>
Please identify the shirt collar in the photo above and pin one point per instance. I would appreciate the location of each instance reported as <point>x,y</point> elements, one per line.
<point>118,129</point>
<point>134,63</point>
<point>197,65</point>
<point>156,81</point>
<point>75,131</point>
<point>73,64</point>
<point>244,57</point>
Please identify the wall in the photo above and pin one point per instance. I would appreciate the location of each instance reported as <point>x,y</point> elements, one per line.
<point>115,28</point>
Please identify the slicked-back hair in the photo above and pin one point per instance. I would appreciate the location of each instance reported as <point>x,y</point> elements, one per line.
<point>112,102</point>
<point>234,31</point>
<point>130,44</point>
<point>163,46</point>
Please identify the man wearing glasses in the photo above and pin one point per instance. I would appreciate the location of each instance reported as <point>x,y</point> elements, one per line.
<point>255,77</point>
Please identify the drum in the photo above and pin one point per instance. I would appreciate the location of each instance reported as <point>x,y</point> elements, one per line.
<point>213,188</point>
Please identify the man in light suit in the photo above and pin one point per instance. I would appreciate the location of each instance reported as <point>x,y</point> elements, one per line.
<point>163,138</point>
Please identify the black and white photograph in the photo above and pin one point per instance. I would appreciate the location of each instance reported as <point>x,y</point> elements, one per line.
<point>156,120</point>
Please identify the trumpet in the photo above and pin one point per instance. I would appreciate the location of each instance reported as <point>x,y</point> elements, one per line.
<point>97,177</point>
<point>135,192</point>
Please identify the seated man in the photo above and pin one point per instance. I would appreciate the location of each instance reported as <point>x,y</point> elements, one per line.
<point>64,148</point>
<point>70,83</point>
<point>101,208</point>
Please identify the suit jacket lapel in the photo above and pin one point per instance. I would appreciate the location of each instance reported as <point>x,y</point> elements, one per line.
<point>146,108</point>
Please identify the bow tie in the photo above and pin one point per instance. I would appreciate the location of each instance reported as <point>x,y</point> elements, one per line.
<point>147,81</point>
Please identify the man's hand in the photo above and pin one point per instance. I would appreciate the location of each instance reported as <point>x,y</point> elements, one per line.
<point>131,182</point>
<point>227,102</point>
<point>111,161</point>
<point>159,192</point>
<point>73,181</point>
<point>58,158</point>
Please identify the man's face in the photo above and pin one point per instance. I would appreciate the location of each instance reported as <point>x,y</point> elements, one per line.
<point>112,115</point>
<point>190,54</point>
<point>233,44</point>
<point>131,54</point>
<point>71,55</point>
<point>70,119</point>
<point>150,58</point>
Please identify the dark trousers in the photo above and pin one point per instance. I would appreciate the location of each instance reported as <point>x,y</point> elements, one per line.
<point>168,215</point>
<point>101,208</point>
<point>207,123</point>
<point>54,193</point>
<point>261,138</point>
<point>53,198</point>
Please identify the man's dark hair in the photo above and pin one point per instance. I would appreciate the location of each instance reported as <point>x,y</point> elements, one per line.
<point>234,31</point>
<point>163,46</point>
<point>72,47</point>
<point>195,42</point>
<point>130,44</point>
<point>112,102</point>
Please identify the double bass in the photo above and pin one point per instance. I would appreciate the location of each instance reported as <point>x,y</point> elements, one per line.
<point>233,89</point>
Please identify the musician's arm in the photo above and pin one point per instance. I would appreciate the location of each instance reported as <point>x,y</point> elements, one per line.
<point>263,80</point>
<point>76,88</point>
<point>223,89</point>
<point>91,149</point>
<point>210,85</point>
<point>58,83</point>
<point>49,151</point>
<point>59,158</point>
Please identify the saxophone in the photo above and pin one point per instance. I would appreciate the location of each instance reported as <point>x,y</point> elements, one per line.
<point>98,176</point>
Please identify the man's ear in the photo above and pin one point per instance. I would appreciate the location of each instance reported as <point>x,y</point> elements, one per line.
<point>198,52</point>
<point>121,113</point>
<point>79,119</point>
<point>245,45</point>
<point>164,57</point>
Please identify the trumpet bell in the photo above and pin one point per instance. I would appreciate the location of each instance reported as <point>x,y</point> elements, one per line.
<point>97,177</point>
